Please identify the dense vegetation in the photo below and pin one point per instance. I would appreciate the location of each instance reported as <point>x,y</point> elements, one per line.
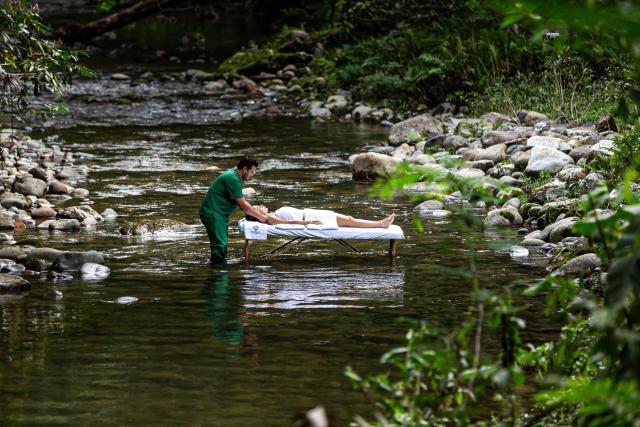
<point>413,55</point>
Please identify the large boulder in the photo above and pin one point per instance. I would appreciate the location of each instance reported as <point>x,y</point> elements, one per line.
<point>546,159</point>
<point>13,284</point>
<point>582,265</point>
<point>30,187</point>
<point>73,261</point>
<point>416,128</point>
<point>369,166</point>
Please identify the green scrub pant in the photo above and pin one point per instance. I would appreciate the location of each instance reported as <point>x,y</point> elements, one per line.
<point>217,229</point>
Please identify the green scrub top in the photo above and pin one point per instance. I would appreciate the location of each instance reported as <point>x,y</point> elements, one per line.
<point>222,194</point>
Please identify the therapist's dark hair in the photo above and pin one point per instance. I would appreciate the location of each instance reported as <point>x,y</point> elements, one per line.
<point>248,162</point>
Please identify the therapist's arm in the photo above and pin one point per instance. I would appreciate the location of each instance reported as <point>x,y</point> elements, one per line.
<point>250,210</point>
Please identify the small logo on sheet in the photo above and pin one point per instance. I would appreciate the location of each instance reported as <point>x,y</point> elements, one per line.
<point>255,232</point>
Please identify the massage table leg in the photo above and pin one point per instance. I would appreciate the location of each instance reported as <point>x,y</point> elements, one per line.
<point>392,248</point>
<point>245,250</point>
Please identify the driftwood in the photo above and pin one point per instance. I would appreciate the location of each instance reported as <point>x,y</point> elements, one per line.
<point>84,32</point>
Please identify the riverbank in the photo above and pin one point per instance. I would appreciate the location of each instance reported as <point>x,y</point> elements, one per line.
<point>540,173</point>
<point>41,191</point>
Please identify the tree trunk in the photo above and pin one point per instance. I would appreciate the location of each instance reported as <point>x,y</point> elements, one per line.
<point>83,33</point>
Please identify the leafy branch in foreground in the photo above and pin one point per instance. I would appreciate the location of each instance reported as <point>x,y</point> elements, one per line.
<point>589,375</point>
<point>29,62</point>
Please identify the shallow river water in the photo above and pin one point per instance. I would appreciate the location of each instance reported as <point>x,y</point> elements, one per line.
<point>246,345</point>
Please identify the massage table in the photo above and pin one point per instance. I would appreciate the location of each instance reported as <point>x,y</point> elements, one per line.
<point>253,230</point>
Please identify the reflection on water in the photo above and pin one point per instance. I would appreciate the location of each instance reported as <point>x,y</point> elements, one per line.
<point>322,288</point>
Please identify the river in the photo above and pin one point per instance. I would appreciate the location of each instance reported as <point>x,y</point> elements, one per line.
<point>244,345</point>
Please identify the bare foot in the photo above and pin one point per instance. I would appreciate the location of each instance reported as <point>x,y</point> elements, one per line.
<point>385,223</point>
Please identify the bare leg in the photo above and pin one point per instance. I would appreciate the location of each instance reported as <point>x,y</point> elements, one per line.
<point>349,221</point>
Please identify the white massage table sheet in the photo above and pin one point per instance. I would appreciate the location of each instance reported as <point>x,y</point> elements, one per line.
<point>258,231</point>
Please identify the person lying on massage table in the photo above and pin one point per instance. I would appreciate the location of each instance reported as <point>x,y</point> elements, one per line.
<point>289,215</point>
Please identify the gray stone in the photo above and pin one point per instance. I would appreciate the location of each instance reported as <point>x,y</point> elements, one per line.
<point>65,225</point>
<point>414,129</point>
<point>605,147</point>
<point>455,142</point>
<point>430,205</point>
<point>30,186</point>
<point>521,159</point>
<point>511,215</point>
<point>580,266</point>
<point>73,261</point>
<point>495,153</point>
<point>544,141</point>
<point>320,113</point>
<point>9,200</point>
<point>581,152</point>
<point>571,173</point>
<point>483,165</point>
<point>40,213</point>
<point>361,112</point>
<point>12,284</point>
<point>7,222</point>
<point>563,227</point>
<point>48,254</point>
<point>422,159</point>
<point>533,117</point>
<point>39,173</point>
<point>546,159</point>
<point>468,173</point>
<point>532,242</point>
<point>498,137</point>
<point>369,166</point>
<point>337,104</point>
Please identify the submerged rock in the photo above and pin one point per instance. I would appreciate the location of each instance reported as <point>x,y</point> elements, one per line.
<point>73,261</point>
<point>13,284</point>
<point>155,227</point>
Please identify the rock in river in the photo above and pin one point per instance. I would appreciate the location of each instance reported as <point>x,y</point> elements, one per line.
<point>10,283</point>
<point>30,187</point>
<point>369,166</point>
<point>73,261</point>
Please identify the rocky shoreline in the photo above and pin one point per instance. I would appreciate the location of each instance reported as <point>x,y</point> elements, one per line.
<point>34,178</point>
<point>516,151</point>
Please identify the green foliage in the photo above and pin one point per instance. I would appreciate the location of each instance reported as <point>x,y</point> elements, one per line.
<point>625,156</point>
<point>594,28</point>
<point>29,61</point>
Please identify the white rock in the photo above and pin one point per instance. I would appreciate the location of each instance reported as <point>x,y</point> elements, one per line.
<point>126,300</point>
<point>544,141</point>
<point>91,271</point>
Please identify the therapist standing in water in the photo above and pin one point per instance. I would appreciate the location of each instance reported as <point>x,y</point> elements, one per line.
<point>225,193</point>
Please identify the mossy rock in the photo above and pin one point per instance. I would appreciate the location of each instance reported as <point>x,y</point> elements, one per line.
<point>257,60</point>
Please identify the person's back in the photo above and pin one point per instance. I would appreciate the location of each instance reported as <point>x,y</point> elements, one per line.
<point>221,195</point>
